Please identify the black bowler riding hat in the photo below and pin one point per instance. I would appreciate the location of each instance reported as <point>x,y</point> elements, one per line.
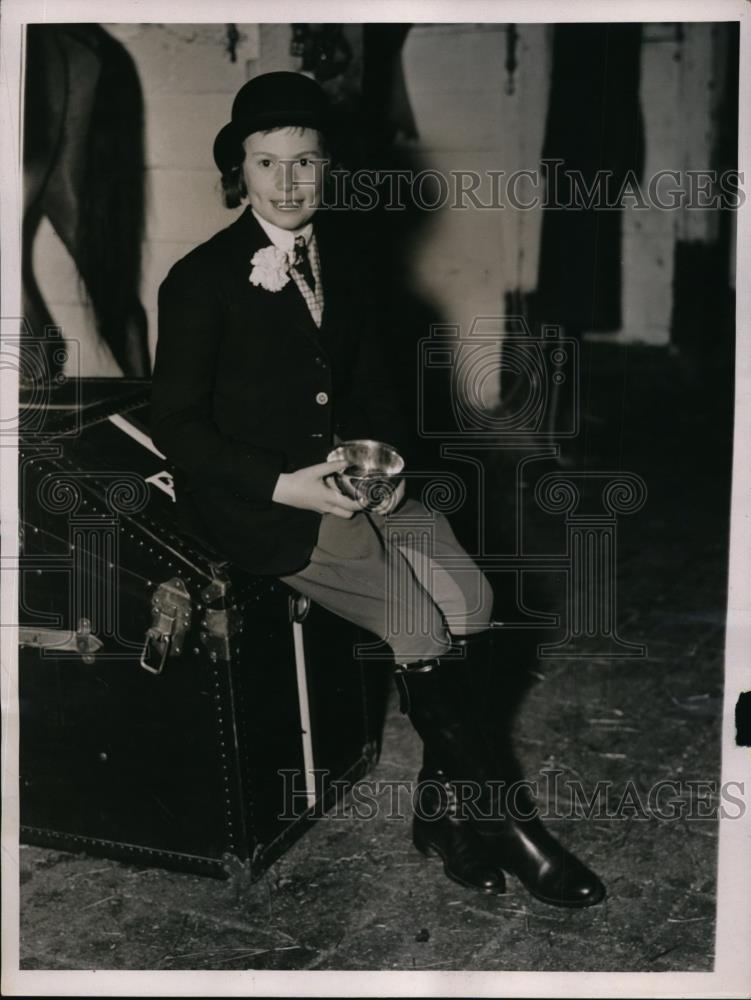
<point>268,101</point>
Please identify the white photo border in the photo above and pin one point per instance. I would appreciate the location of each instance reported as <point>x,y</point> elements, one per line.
<point>732,974</point>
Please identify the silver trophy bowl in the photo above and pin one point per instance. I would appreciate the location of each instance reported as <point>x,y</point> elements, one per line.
<point>372,474</point>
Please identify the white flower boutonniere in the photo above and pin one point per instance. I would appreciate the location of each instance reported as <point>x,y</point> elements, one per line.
<point>270,269</point>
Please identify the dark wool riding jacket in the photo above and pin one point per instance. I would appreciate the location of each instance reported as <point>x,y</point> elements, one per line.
<point>246,386</point>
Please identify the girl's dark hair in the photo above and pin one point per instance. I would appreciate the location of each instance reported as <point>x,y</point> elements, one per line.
<point>233,187</point>
<point>233,181</point>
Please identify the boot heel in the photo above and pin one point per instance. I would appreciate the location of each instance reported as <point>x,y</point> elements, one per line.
<point>462,866</point>
<point>427,850</point>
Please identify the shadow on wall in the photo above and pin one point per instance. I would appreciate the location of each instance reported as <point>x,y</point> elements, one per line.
<point>594,125</point>
<point>391,240</point>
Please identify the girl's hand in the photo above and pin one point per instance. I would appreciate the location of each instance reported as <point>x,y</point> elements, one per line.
<point>308,489</point>
<point>392,502</point>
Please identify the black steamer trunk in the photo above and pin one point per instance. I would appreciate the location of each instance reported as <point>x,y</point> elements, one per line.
<point>175,710</point>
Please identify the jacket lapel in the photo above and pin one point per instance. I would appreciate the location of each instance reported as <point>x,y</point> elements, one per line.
<point>299,313</point>
<point>249,237</point>
<point>335,271</point>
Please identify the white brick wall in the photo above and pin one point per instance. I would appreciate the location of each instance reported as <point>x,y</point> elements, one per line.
<point>677,99</point>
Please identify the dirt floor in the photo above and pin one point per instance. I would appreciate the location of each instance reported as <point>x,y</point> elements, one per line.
<point>353,894</point>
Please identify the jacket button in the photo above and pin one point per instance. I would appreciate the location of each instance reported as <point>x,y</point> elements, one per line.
<point>320,362</point>
<point>322,398</point>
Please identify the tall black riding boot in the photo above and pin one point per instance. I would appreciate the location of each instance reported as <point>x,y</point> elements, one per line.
<point>451,707</point>
<point>438,827</point>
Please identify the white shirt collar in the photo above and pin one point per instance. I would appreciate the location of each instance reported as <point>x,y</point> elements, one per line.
<point>283,238</point>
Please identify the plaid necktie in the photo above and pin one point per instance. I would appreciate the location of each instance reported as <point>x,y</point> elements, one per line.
<point>301,263</point>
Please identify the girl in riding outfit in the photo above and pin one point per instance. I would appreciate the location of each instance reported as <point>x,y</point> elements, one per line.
<point>268,356</point>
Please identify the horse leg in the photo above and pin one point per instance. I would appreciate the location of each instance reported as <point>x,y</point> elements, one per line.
<point>44,117</point>
<point>93,209</point>
<point>98,189</point>
<point>42,355</point>
<point>136,360</point>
